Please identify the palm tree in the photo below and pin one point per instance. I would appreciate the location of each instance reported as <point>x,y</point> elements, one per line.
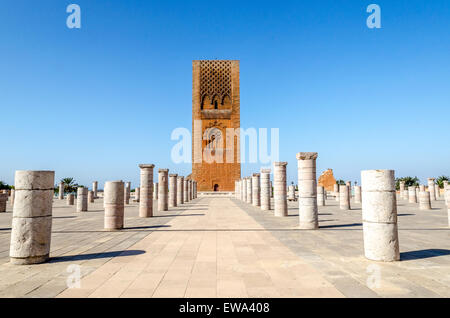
<point>340,182</point>
<point>440,181</point>
<point>409,181</point>
<point>5,186</point>
<point>69,185</point>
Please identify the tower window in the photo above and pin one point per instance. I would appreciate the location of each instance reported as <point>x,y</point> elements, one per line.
<point>215,105</point>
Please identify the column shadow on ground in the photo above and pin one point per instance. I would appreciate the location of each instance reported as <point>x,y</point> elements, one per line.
<point>340,225</point>
<point>420,254</point>
<point>145,227</point>
<point>176,215</point>
<point>83,257</point>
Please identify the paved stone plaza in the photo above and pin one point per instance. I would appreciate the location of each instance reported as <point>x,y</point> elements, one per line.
<point>223,247</point>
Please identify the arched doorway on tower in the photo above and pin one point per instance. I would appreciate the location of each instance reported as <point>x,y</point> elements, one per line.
<point>216,187</point>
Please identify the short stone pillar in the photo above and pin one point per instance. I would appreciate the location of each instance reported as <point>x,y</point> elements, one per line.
<point>406,194</point>
<point>61,191</point>
<point>424,200</point>
<point>412,194</point>
<point>13,196</point>
<point>3,201</point>
<point>417,194</point>
<point>82,199</point>
<point>437,190</point>
<point>146,190</point>
<point>336,192</point>
<point>271,189</point>
<point>431,189</point>
<point>249,190</point>
<point>32,217</point>
<point>291,193</point>
<point>344,198</point>
<point>307,191</point>
<point>95,189</point>
<point>349,185</point>
<point>195,190</point>
<point>172,190</point>
<point>421,188</point>
<point>320,196</point>
<point>379,212</point>
<point>180,190</point>
<point>357,194</point>
<point>127,192</point>
<point>279,191</point>
<point>256,189</point>
<point>114,205</point>
<point>190,190</point>
<point>185,191</point>
<point>236,189</point>
<point>446,187</point>
<point>137,194</point>
<point>91,196</point>
<point>265,189</point>
<point>70,199</point>
<point>402,189</point>
<point>155,190</point>
<point>163,193</point>
<point>244,189</point>
<point>447,200</point>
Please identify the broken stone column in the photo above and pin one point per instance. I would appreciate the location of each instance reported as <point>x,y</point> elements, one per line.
<point>379,211</point>
<point>279,191</point>
<point>402,189</point>
<point>3,201</point>
<point>185,191</point>
<point>127,192</point>
<point>336,192</point>
<point>437,190</point>
<point>291,193</point>
<point>320,196</point>
<point>412,194</point>
<point>173,190</point>
<point>244,189</point>
<point>114,205</point>
<point>431,189</point>
<point>82,199</point>
<point>256,190</point>
<point>344,198</point>
<point>163,193</point>
<point>91,196</point>
<point>155,190</point>
<point>146,190</point>
<point>137,194</point>
<point>180,190</point>
<point>95,189</point>
<point>265,189</point>
<point>32,217</point>
<point>307,191</point>
<point>70,199</point>
<point>61,191</point>
<point>249,190</point>
<point>424,200</point>
<point>357,194</point>
<point>349,185</point>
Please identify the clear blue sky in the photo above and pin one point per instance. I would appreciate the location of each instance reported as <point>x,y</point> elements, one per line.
<point>93,103</point>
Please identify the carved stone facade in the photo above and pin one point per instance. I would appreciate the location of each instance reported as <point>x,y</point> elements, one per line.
<point>215,125</point>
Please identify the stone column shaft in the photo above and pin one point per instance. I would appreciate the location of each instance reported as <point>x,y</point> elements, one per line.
<point>432,189</point>
<point>91,196</point>
<point>61,191</point>
<point>185,191</point>
<point>82,199</point>
<point>412,194</point>
<point>265,189</point>
<point>357,194</point>
<point>70,199</point>
<point>95,188</point>
<point>137,194</point>
<point>163,193</point>
<point>379,211</point>
<point>291,193</point>
<point>424,200</point>
<point>344,198</point>
<point>256,190</point>
<point>307,191</point>
<point>320,196</point>
<point>279,189</point>
<point>249,190</point>
<point>114,205</point>
<point>180,190</point>
<point>155,190</point>
<point>146,189</point>
<point>173,190</point>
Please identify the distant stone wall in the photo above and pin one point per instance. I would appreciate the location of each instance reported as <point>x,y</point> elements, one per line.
<point>327,180</point>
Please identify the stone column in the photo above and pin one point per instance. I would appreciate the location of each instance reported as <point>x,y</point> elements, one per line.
<point>344,198</point>
<point>32,217</point>
<point>271,189</point>
<point>155,190</point>
<point>137,194</point>
<point>357,194</point>
<point>421,188</point>
<point>447,200</point>
<point>291,193</point>
<point>349,185</point>
<point>3,201</point>
<point>127,192</point>
<point>190,190</point>
<point>307,191</point>
<point>173,190</point>
<point>95,189</point>
<point>163,193</point>
<point>185,191</point>
<point>146,186</point>
<point>194,184</point>
<point>417,194</point>
<point>279,191</point>
<point>336,192</point>
<point>61,191</point>
<point>445,191</point>
<point>256,190</point>
<point>180,190</point>
<point>82,199</point>
<point>13,196</point>
<point>249,190</point>
<point>412,194</point>
<point>379,211</point>
<point>265,189</point>
<point>424,200</point>
<point>320,196</point>
<point>114,204</point>
<point>236,189</point>
<point>431,189</point>
<point>437,190</point>
<point>244,189</point>
<point>91,196</point>
<point>402,189</point>
<point>70,199</point>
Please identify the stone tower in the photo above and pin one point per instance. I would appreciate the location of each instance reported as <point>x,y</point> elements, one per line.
<point>215,124</point>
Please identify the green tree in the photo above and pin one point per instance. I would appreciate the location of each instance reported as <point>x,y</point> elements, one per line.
<point>69,185</point>
<point>5,186</point>
<point>340,182</point>
<point>440,181</point>
<point>409,181</point>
